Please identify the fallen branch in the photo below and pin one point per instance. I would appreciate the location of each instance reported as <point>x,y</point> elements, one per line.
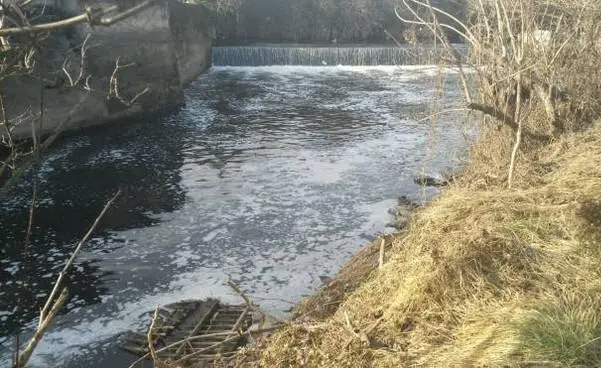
<point>238,291</point>
<point>504,118</point>
<point>34,196</point>
<point>23,357</point>
<point>495,113</point>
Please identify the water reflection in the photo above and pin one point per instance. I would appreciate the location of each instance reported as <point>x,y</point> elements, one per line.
<point>75,180</point>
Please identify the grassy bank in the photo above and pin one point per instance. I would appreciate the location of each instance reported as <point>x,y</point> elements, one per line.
<point>485,276</point>
<point>503,269</point>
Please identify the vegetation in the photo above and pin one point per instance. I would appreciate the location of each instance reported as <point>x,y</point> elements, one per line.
<point>310,21</point>
<point>503,268</point>
<point>29,35</point>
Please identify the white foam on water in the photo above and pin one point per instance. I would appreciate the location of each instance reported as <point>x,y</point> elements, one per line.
<point>292,206</point>
<point>410,72</point>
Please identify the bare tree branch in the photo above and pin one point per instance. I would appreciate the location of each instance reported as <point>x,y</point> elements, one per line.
<point>82,66</point>
<point>114,85</point>
<point>24,356</point>
<point>55,302</point>
<point>92,16</point>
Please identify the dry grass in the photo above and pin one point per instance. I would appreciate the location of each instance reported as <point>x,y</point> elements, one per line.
<point>484,277</point>
<point>326,300</point>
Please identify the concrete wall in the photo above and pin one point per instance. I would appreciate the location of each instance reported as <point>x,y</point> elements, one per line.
<point>168,45</point>
<point>191,30</point>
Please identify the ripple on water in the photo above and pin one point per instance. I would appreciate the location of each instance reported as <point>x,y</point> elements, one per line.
<point>273,176</point>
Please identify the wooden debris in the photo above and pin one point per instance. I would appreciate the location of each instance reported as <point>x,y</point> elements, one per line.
<point>198,330</point>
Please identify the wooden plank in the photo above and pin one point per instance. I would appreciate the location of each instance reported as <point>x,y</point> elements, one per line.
<point>240,320</point>
<point>201,316</point>
<point>195,328</point>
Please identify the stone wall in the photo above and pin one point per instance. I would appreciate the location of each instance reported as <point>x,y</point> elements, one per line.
<point>165,46</point>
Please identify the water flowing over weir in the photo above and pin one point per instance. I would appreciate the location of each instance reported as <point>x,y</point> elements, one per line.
<point>327,55</point>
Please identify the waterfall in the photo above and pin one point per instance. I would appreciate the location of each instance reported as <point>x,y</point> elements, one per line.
<point>331,55</point>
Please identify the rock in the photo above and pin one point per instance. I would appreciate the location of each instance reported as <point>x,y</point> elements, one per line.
<point>325,279</point>
<point>403,212</point>
<point>430,181</point>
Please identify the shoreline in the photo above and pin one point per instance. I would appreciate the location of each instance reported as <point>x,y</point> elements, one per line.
<point>474,259</point>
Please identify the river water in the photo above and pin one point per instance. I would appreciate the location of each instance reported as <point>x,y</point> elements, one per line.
<point>272,176</point>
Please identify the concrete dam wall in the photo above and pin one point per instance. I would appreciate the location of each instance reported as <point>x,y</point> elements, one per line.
<point>159,50</point>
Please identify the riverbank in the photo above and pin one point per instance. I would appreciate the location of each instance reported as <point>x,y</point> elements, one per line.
<point>502,269</point>
<point>484,275</point>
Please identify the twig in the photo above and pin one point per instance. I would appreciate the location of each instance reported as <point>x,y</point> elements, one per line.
<point>8,134</point>
<point>128,13</point>
<point>17,349</point>
<point>398,43</point>
<point>150,336</point>
<point>237,289</point>
<point>178,343</point>
<point>381,263</point>
<point>519,57</point>
<point>114,85</point>
<point>435,28</point>
<point>16,175</point>
<point>447,111</point>
<point>34,196</point>
<point>82,65</point>
<point>52,306</point>
<point>208,348</point>
<point>34,133</point>
<point>275,300</point>
<point>469,38</point>
<point>82,18</point>
<point>42,107</point>
<point>39,333</point>
<point>518,136</point>
<point>77,250</point>
<point>202,337</point>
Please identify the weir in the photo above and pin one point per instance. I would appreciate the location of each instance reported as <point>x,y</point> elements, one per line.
<point>328,55</point>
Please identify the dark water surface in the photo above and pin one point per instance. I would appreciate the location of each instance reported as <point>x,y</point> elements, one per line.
<point>272,175</point>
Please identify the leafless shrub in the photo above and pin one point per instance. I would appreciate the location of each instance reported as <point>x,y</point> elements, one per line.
<point>535,63</point>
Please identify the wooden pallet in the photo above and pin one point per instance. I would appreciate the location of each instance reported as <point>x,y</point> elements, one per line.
<point>193,330</point>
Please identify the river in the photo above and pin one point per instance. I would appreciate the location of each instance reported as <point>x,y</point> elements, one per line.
<point>273,176</point>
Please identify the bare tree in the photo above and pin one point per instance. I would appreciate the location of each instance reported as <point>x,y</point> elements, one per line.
<point>534,53</point>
